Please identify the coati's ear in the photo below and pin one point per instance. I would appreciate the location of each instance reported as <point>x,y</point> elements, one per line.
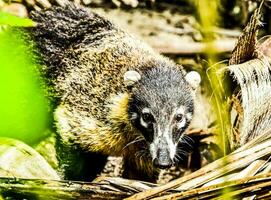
<point>193,78</point>
<point>131,77</point>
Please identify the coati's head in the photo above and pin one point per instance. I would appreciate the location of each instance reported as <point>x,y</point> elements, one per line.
<point>161,108</point>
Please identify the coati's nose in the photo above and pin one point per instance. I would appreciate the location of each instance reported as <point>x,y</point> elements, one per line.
<point>163,159</point>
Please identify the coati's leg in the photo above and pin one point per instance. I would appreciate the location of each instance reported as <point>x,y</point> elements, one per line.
<point>76,164</point>
<point>135,170</point>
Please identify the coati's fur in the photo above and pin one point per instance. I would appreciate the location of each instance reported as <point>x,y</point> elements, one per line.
<point>84,59</point>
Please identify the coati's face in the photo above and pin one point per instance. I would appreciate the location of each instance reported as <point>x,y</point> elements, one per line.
<point>161,108</point>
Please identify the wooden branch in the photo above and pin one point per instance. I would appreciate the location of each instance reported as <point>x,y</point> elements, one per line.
<point>44,189</point>
<point>190,48</point>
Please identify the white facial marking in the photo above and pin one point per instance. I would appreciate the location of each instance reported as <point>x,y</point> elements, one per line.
<point>180,110</point>
<point>143,123</point>
<point>146,110</point>
<point>166,133</point>
<point>171,146</point>
<point>159,132</point>
<point>153,150</point>
<point>154,147</point>
<point>188,116</point>
<point>181,124</point>
<point>134,115</point>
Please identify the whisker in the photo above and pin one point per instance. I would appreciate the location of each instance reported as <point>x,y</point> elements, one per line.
<point>138,153</point>
<point>181,151</point>
<point>137,139</point>
<point>142,152</point>
<point>178,157</point>
<point>185,142</point>
<point>141,157</point>
<point>188,138</point>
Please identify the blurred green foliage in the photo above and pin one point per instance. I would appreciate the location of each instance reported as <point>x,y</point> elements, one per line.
<point>23,107</point>
<point>208,12</point>
<point>11,20</point>
<point>209,18</point>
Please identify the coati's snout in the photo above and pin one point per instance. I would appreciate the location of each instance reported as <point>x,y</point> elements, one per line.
<point>161,108</point>
<point>162,153</point>
<point>162,159</point>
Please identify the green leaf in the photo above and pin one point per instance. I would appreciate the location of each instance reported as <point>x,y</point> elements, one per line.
<point>23,107</point>
<point>11,20</point>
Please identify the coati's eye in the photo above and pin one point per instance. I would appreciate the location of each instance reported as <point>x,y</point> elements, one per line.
<point>179,117</point>
<point>147,117</point>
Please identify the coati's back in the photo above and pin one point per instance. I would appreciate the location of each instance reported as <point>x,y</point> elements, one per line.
<point>67,37</point>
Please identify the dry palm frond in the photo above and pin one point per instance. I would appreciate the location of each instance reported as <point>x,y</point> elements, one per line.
<point>264,47</point>
<point>251,71</point>
<point>242,187</point>
<point>255,83</point>
<point>246,46</point>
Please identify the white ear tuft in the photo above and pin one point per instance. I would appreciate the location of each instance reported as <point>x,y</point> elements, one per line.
<point>193,78</point>
<point>131,77</point>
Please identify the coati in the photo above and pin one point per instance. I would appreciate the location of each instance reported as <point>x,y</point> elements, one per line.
<point>114,94</point>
